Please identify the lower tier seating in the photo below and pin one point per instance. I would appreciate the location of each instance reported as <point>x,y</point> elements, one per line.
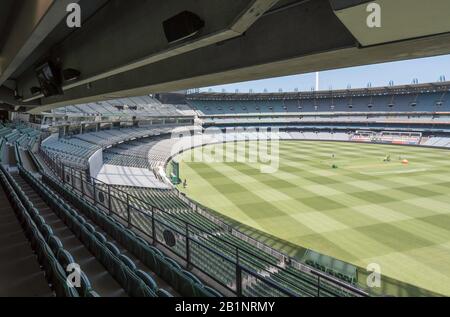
<point>132,279</point>
<point>40,238</point>
<point>170,271</point>
<point>20,272</point>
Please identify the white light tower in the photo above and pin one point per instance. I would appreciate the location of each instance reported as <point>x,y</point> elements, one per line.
<point>317,81</point>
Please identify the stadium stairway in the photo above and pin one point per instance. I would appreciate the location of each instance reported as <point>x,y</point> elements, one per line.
<point>20,273</point>
<point>35,228</point>
<point>104,284</point>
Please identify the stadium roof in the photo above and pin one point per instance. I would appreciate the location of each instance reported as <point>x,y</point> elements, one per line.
<point>150,49</point>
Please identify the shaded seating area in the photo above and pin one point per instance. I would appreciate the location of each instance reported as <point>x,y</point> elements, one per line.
<point>20,272</point>
<point>125,278</point>
<point>54,272</point>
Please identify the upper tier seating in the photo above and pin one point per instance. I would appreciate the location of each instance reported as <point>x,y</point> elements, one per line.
<point>144,106</point>
<point>107,138</point>
<point>77,150</point>
<point>73,152</point>
<point>425,102</point>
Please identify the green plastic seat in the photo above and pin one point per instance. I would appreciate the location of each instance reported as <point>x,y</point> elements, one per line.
<point>148,280</point>
<point>113,248</point>
<point>46,231</point>
<point>64,258</point>
<point>191,277</point>
<point>210,292</point>
<point>127,261</point>
<point>163,293</point>
<point>55,244</point>
<point>89,227</point>
<point>100,237</point>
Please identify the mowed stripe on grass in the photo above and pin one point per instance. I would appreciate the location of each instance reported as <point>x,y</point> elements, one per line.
<point>365,211</point>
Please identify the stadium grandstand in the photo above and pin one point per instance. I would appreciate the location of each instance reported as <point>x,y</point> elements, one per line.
<point>311,192</point>
<point>417,107</point>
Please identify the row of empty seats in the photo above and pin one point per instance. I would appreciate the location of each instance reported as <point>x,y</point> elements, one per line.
<point>145,106</point>
<point>182,281</point>
<point>23,250</point>
<point>73,152</point>
<point>133,154</point>
<point>113,260</point>
<point>107,138</point>
<point>414,102</point>
<point>209,235</point>
<point>336,136</point>
<point>438,142</point>
<point>324,118</point>
<point>20,133</point>
<point>77,150</point>
<point>108,267</point>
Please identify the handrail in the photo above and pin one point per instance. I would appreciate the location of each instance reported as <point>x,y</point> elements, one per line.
<point>19,158</point>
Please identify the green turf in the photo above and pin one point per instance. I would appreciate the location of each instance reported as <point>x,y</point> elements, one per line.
<point>365,211</point>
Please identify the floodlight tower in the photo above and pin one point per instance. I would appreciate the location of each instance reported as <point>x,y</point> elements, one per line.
<point>317,81</point>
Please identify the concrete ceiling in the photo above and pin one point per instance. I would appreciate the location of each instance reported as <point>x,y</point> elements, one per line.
<point>6,14</point>
<point>121,49</point>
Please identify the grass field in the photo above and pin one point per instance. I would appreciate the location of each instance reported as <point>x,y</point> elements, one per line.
<point>365,211</point>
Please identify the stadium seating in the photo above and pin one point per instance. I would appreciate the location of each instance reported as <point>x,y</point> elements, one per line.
<point>73,152</point>
<point>438,142</point>
<point>134,281</point>
<point>133,154</point>
<point>21,134</point>
<point>106,138</point>
<point>425,102</point>
<point>144,106</point>
<point>210,236</point>
<point>177,213</point>
<point>153,258</point>
<point>201,244</point>
<point>41,238</point>
<point>165,199</point>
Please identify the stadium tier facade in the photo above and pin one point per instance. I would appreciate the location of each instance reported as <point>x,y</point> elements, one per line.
<point>103,175</point>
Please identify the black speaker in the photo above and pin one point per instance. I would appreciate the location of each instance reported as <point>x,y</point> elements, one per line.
<point>49,79</point>
<point>182,26</point>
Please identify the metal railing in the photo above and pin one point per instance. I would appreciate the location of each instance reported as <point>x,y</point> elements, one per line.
<point>232,265</point>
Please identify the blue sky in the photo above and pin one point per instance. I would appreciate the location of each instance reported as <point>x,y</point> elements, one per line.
<point>424,69</point>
